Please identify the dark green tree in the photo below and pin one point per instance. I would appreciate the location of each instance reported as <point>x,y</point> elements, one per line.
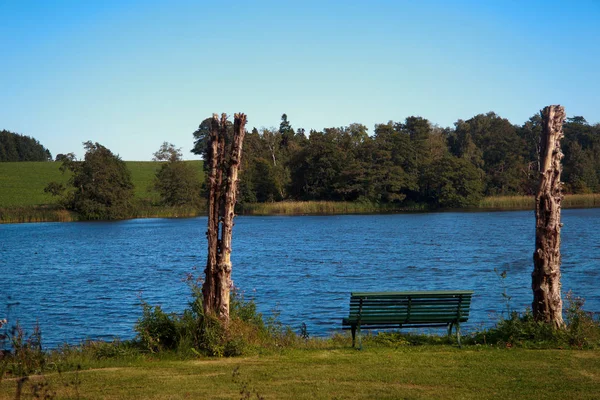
<point>452,182</point>
<point>503,152</point>
<point>16,147</point>
<point>101,184</point>
<point>177,182</point>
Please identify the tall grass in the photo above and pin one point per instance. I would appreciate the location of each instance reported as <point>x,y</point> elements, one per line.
<point>321,207</point>
<point>36,214</point>
<point>150,211</point>
<point>528,202</point>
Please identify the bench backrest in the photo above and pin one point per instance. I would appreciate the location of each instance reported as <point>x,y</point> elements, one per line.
<point>410,307</point>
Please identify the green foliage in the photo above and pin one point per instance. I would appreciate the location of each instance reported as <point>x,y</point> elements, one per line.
<point>522,330</point>
<point>452,182</point>
<point>412,162</point>
<point>16,147</point>
<point>101,184</point>
<point>583,329</point>
<point>178,184</point>
<point>23,199</point>
<point>156,329</point>
<point>193,333</point>
<point>26,356</point>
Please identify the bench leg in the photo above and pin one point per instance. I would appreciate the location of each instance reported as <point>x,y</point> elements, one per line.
<point>450,330</point>
<point>353,329</point>
<point>458,335</point>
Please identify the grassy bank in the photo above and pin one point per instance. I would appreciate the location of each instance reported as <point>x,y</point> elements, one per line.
<point>335,372</point>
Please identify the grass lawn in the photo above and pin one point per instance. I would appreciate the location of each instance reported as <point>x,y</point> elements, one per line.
<point>405,372</point>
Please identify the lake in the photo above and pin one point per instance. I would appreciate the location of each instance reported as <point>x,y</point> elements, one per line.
<point>84,280</point>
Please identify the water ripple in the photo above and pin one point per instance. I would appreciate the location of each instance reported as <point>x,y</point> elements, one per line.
<point>84,280</point>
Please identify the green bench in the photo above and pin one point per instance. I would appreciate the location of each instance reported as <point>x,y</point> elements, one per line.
<point>388,310</point>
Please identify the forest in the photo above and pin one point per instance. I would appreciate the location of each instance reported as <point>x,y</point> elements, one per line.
<point>16,147</point>
<point>409,162</point>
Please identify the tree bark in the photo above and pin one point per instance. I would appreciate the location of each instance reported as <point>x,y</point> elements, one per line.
<point>212,233</point>
<point>222,199</point>
<point>545,279</point>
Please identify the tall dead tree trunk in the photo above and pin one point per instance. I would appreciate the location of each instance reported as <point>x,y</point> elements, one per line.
<point>223,158</point>
<point>545,279</point>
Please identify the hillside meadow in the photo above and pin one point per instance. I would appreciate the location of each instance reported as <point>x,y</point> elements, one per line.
<point>22,197</point>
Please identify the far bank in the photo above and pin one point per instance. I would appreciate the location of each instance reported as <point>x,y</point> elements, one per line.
<point>55,213</point>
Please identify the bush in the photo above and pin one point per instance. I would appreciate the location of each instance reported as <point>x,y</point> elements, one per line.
<point>582,330</point>
<point>156,329</point>
<point>193,333</point>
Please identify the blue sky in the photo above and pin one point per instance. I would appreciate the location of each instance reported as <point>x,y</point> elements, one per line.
<point>133,74</point>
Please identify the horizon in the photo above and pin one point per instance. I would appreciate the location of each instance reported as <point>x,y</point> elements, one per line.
<point>132,75</point>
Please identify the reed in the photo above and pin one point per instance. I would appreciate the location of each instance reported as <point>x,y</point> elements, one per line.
<point>322,207</point>
<point>589,200</point>
<point>167,212</point>
<point>11,215</point>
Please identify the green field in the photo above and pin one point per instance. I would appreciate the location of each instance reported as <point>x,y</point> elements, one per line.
<point>337,372</point>
<point>22,183</point>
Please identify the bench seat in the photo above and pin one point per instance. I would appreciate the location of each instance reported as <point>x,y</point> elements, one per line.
<point>389,310</point>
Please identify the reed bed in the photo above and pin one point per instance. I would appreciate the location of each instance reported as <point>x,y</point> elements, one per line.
<point>167,212</point>
<point>507,203</point>
<point>589,200</point>
<point>13,215</point>
<point>321,207</point>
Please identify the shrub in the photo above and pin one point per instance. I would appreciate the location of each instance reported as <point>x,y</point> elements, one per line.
<point>193,333</point>
<point>156,329</point>
<point>582,330</point>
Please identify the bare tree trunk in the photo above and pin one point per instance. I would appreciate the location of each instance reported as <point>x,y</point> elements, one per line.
<point>212,234</point>
<point>222,199</point>
<point>545,279</point>
<point>229,199</point>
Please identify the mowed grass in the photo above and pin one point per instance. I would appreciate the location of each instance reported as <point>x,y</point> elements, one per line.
<point>22,183</point>
<point>405,372</point>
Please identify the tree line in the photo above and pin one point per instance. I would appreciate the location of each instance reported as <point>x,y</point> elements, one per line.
<point>16,147</point>
<point>412,161</point>
<point>405,163</point>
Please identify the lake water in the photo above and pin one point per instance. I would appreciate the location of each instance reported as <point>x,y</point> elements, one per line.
<point>83,280</point>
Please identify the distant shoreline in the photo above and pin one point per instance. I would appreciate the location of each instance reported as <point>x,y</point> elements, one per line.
<point>53,213</point>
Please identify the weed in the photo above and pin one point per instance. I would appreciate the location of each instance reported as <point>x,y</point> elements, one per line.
<point>505,297</point>
<point>582,330</point>
<point>246,391</point>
